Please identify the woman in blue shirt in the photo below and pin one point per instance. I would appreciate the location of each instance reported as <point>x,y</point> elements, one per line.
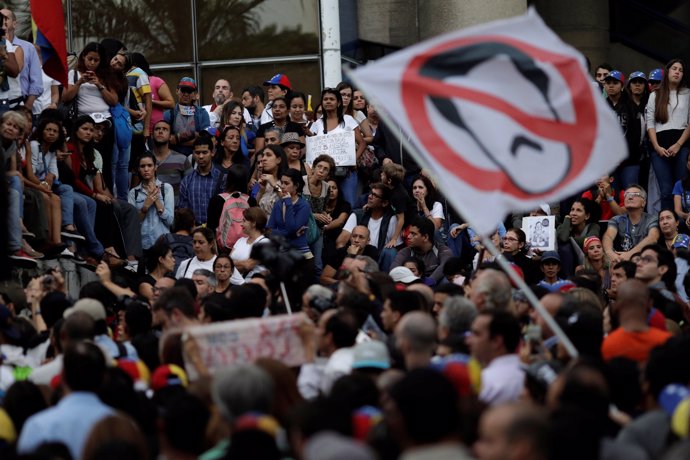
<point>290,215</point>
<point>154,200</point>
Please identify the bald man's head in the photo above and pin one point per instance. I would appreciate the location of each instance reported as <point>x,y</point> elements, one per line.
<point>633,294</point>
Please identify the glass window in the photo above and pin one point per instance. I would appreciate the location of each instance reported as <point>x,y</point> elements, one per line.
<point>304,77</point>
<point>235,29</point>
<point>163,34</point>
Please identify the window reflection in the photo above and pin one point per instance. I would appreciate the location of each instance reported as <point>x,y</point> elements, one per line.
<point>258,28</point>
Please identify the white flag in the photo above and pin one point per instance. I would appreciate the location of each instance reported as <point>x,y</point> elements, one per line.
<point>503,114</point>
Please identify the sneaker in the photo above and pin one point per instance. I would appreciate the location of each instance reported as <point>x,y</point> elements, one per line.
<point>23,260</point>
<point>31,251</point>
<point>72,234</point>
<point>66,253</point>
<point>132,266</point>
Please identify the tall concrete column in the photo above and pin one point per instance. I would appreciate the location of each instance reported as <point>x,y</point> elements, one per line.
<point>391,22</point>
<point>440,16</point>
<point>583,24</point>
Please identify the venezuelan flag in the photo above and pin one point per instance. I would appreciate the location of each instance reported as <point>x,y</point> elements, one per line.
<point>48,24</point>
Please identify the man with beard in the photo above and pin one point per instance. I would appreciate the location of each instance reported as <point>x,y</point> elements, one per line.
<point>222,94</point>
<point>186,119</point>
<point>253,102</point>
<point>172,165</point>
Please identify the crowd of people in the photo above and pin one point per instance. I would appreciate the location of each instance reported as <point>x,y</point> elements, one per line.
<point>416,345</point>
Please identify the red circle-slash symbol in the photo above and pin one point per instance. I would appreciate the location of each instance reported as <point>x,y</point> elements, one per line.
<point>579,135</point>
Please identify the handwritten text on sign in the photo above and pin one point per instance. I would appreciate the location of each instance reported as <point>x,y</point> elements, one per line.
<point>340,146</point>
<point>244,341</point>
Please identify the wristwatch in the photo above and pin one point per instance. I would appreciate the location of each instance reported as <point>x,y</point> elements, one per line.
<point>44,182</point>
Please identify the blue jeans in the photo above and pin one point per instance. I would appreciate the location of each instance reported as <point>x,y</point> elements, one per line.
<point>14,230</point>
<point>317,250</point>
<point>348,188</point>
<point>85,219</point>
<point>628,175</point>
<point>120,165</point>
<point>668,171</point>
<point>66,195</point>
<point>16,185</point>
<point>386,259</point>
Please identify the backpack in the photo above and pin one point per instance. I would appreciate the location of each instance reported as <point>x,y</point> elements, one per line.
<point>231,217</point>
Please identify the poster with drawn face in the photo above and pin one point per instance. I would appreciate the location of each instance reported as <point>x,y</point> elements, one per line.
<point>540,232</point>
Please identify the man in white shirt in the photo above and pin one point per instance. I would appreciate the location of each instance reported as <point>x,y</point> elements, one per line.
<point>493,341</point>
<point>333,340</point>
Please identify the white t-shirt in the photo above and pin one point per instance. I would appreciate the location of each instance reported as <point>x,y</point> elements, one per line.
<point>374,227</point>
<point>15,90</point>
<point>45,99</point>
<point>89,99</point>
<point>348,125</point>
<point>242,250</point>
<point>187,267</point>
<point>437,210</point>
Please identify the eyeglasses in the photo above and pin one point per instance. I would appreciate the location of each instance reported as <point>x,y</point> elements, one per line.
<point>634,195</point>
<point>510,238</point>
<point>376,195</point>
<point>648,260</point>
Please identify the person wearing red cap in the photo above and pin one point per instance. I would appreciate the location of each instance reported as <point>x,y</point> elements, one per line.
<point>186,119</point>
<point>278,86</point>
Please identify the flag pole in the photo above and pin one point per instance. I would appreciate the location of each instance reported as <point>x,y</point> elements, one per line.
<point>486,241</point>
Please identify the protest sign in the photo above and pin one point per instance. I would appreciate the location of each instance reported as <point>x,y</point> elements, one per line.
<point>340,146</point>
<point>244,341</point>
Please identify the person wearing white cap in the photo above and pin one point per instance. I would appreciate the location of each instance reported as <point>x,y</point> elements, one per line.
<point>403,275</point>
<point>96,311</point>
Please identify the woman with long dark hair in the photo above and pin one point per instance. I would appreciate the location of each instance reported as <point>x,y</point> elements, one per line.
<point>579,224</point>
<point>281,121</point>
<point>233,115</point>
<point>668,129</point>
<point>81,152</point>
<point>160,261</point>
<point>335,121</point>
<point>290,215</point>
<point>117,223</point>
<point>271,167</point>
<point>154,200</point>
<point>95,87</point>
<point>428,207</point>
<point>229,152</point>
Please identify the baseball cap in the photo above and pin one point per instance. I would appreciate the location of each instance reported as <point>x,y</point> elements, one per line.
<point>656,75</point>
<point>291,138</point>
<point>168,375</point>
<point>550,255</point>
<point>616,75</point>
<point>681,241</point>
<point>187,82</point>
<point>403,275</point>
<point>371,354</point>
<point>637,74</point>
<point>100,118</point>
<point>280,80</point>
<point>91,307</point>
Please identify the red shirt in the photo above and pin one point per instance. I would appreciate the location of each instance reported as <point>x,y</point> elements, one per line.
<point>606,212</point>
